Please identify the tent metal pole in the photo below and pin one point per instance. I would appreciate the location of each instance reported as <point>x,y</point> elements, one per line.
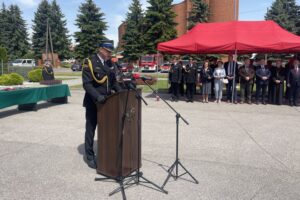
<point>157,65</point>
<point>234,90</point>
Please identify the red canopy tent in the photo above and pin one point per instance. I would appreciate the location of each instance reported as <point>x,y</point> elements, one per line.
<point>229,37</point>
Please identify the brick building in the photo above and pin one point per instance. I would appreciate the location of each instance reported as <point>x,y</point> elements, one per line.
<point>220,10</point>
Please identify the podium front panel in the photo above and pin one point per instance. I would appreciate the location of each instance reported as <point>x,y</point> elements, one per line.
<point>118,144</point>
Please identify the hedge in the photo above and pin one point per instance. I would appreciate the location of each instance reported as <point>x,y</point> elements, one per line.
<point>11,79</point>
<point>35,75</point>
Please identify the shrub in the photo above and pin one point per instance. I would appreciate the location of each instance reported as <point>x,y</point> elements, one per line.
<point>35,75</point>
<point>11,79</point>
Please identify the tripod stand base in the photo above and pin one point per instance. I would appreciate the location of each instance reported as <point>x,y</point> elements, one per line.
<point>173,167</point>
<point>128,181</point>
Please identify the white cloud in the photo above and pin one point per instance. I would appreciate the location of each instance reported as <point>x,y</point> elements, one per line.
<point>29,3</point>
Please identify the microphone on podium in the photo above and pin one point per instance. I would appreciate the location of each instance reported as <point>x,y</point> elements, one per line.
<point>144,78</point>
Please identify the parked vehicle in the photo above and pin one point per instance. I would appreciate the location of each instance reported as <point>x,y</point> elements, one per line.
<point>23,63</point>
<point>126,67</point>
<point>151,62</point>
<point>76,67</point>
<point>165,67</point>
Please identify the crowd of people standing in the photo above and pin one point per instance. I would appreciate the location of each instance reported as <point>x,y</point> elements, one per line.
<point>258,82</point>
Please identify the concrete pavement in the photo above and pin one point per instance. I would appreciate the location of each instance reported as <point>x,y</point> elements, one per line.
<point>235,151</point>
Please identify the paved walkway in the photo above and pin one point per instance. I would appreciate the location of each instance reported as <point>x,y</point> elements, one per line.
<point>235,151</point>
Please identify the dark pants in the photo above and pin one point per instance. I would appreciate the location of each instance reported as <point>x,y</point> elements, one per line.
<point>175,88</point>
<point>90,127</point>
<point>246,88</point>
<point>261,91</point>
<point>230,89</point>
<point>190,89</point>
<point>294,94</point>
<point>276,93</point>
<point>181,88</point>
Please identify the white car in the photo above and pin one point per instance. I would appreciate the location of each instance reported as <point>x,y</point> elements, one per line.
<point>24,62</point>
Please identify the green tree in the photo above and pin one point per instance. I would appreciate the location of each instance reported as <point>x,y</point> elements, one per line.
<point>159,24</point>
<point>57,23</point>
<point>59,32</point>
<point>285,13</point>
<point>133,40</point>
<point>39,28</point>
<point>4,25</point>
<point>18,44</point>
<point>199,13</point>
<point>91,24</point>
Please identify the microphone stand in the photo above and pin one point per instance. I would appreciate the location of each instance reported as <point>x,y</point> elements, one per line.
<point>177,162</point>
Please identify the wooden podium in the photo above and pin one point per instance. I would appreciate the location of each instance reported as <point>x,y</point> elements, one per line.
<point>119,135</point>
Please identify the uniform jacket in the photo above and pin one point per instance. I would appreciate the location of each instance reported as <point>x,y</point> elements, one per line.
<point>260,73</point>
<point>94,89</point>
<point>243,73</point>
<point>191,73</point>
<point>175,73</point>
<point>294,78</point>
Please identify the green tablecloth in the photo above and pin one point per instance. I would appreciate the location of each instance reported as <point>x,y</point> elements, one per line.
<point>33,95</point>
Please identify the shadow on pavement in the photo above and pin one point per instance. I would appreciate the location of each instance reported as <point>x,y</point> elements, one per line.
<point>15,111</point>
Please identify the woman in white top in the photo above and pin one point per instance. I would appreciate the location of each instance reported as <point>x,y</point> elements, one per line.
<point>219,75</point>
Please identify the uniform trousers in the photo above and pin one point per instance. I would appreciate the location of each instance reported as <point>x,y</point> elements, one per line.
<point>90,127</point>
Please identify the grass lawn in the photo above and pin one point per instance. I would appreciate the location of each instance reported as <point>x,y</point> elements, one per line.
<point>65,79</point>
<point>161,86</point>
<point>76,87</point>
<point>158,75</point>
<point>68,74</point>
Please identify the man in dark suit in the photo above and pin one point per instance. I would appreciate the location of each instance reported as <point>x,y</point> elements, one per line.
<point>191,79</point>
<point>98,82</point>
<point>175,78</point>
<point>293,83</point>
<point>246,73</point>
<point>263,75</point>
<point>231,68</point>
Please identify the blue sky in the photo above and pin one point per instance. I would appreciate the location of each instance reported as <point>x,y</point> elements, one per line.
<point>115,11</point>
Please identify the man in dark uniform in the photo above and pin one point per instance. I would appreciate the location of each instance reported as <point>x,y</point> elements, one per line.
<point>293,83</point>
<point>191,79</point>
<point>263,75</point>
<point>98,82</point>
<point>246,73</point>
<point>175,78</point>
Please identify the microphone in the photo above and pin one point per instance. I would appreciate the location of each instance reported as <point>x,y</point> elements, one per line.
<point>144,78</point>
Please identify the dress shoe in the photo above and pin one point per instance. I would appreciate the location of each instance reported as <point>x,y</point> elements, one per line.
<point>92,163</point>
